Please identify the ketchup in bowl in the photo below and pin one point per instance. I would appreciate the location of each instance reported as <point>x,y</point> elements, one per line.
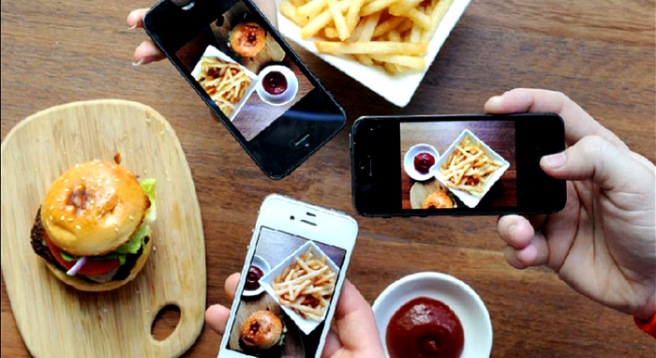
<point>423,162</point>
<point>274,83</point>
<point>253,278</point>
<point>425,328</point>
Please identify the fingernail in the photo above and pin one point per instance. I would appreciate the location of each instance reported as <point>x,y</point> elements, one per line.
<point>139,63</point>
<point>556,161</point>
<point>496,102</point>
<point>133,26</point>
<point>512,229</point>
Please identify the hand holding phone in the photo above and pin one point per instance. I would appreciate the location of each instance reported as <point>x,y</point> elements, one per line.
<point>610,190</point>
<point>353,314</point>
<point>250,78</point>
<point>293,275</point>
<point>456,165</point>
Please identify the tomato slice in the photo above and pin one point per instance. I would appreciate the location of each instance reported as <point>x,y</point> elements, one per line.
<point>91,268</point>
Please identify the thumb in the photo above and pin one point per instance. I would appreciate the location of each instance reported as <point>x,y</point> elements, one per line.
<point>595,158</point>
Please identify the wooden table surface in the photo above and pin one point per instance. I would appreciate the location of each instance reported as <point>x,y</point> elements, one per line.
<point>600,52</point>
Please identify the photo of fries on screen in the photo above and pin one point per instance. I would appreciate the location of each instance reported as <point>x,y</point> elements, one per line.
<point>245,72</point>
<point>226,83</point>
<point>299,278</point>
<point>307,286</point>
<point>392,34</point>
<point>469,168</point>
<point>458,164</point>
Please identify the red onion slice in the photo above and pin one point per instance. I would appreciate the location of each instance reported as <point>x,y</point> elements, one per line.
<point>77,267</point>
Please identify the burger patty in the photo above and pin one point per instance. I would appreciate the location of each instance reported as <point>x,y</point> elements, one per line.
<point>40,247</point>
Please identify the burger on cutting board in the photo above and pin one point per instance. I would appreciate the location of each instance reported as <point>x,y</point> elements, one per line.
<point>93,228</point>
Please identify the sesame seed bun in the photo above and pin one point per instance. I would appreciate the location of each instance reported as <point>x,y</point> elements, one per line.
<point>261,330</point>
<point>93,208</point>
<point>82,285</point>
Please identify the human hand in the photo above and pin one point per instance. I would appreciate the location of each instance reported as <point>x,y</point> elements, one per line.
<point>354,333</point>
<point>603,243</point>
<point>147,51</point>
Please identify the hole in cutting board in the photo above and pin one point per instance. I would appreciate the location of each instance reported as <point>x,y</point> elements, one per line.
<point>165,322</point>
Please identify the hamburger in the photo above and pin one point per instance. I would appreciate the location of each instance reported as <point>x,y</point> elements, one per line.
<point>93,228</point>
<point>439,200</point>
<point>262,330</point>
<point>247,39</point>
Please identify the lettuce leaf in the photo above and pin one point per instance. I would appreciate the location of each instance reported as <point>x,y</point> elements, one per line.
<point>137,240</point>
<point>133,246</point>
<point>148,187</point>
<point>114,255</point>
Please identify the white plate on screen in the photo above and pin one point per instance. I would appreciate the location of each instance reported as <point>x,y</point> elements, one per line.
<point>212,51</point>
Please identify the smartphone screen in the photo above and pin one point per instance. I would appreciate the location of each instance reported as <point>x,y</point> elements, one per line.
<point>456,165</point>
<point>298,309</point>
<point>302,328</point>
<point>250,78</point>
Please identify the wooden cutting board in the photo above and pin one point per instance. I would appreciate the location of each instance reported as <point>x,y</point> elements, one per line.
<point>58,321</point>
<point>421,190</point>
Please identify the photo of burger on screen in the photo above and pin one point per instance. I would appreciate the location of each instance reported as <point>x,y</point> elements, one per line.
<point>245,71</point>
<point>93,228</point>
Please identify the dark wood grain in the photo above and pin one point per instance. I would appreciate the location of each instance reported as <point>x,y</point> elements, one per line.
<point>600,52</point>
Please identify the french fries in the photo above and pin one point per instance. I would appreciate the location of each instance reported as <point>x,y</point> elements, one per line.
<point>373,48</point>
<point>361,28</point>
<point>226,83</point>
<point>307,286</point>
<point>469,167</point>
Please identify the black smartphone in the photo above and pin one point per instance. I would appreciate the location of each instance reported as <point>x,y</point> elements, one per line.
<point>456,165</point>
<point>251,79</point>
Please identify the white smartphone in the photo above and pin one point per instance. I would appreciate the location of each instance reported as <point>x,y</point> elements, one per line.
<point>291,281</point>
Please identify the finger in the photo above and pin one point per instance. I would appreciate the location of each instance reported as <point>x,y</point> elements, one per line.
<point>578,123</point>
<point>536,253</point>
<point>231,285</point>
<point>355,323</point>
<point>216,318</point>
<point>595,158</point>
<point>516,231</point>
<point>135,18</point>
<point>561,229</point>
<point>332,345</point>
<point>146,53</point>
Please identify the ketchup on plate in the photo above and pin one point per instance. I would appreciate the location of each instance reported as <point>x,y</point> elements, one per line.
<point>423,162</point>
<point>253,278</point>
<point>425,328</point>
<point>274,83</point>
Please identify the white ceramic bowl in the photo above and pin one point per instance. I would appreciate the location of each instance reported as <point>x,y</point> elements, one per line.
<point>260,263</point>
<point>456,294</point>
<point>283,98</point>
<point>409,161</point>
